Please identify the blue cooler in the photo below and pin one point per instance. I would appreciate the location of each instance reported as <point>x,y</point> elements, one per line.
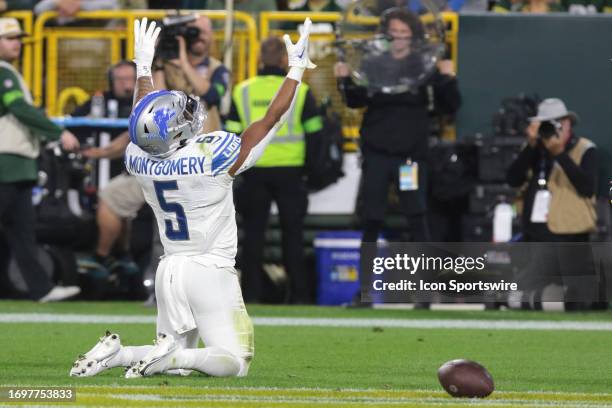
<point>337,260</point>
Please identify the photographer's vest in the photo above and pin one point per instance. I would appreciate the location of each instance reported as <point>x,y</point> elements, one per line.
<point>252,98</point>
<point>569,212</point>
<point>176,79</point>
<point>15,137</point>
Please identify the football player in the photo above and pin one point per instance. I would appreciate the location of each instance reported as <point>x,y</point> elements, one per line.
<point>187,180</point>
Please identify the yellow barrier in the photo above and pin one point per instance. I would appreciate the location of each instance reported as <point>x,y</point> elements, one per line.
<point>56,68</point>
<point>72,94</point>
<point>27,23</point>
<point>239,16</point>
<point>246,44</point>
<point>51,36</point>
<point>292,16</point>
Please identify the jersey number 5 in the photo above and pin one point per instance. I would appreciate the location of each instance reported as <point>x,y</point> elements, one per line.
<point>182,233</point>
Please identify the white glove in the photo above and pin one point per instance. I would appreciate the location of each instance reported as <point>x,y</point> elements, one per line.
<point>298,53</point>
<point>144,46</point>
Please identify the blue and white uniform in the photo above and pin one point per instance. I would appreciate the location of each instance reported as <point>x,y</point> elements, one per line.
<point>196,285</point>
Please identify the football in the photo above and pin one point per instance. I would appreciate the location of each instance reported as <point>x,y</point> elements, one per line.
<point>465,378</point>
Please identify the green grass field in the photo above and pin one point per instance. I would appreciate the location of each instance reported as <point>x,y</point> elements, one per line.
<point>321,365</point>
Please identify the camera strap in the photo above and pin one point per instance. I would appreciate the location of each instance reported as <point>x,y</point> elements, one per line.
<point>541,200</point>
<point>542,172</point>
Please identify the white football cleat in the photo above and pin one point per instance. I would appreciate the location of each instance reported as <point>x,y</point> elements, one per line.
<point>96,359</point>
<point>59,293</point>
<point>156,360</point>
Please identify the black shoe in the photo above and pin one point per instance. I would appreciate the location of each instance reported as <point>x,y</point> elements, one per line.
<point>422,306</point>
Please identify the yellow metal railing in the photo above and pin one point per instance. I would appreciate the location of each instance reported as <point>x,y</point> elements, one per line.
<point>72,94</point>
<point>27,24</point>
<point>51,36</point>
<point>239,16</point>
<point>52,61</point>
<point>36,64</point>
<point>266,17</point>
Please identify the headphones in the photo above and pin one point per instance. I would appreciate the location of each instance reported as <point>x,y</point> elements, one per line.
<point>109,73</point>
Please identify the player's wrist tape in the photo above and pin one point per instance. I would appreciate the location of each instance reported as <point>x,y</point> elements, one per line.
<point>296,73</point>
<point>143,70</point>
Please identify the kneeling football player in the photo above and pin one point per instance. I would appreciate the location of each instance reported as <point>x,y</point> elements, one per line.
<point>187,180</point>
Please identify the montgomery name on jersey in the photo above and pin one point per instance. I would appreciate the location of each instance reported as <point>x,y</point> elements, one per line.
<point>191,196</point>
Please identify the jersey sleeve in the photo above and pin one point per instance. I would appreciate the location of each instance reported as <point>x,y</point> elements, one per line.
<point>225,150</point>
<point>12,100</point>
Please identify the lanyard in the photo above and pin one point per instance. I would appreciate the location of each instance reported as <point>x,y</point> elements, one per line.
<point>542,172</point>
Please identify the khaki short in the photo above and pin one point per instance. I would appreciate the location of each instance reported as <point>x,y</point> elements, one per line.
<point>123,195</point>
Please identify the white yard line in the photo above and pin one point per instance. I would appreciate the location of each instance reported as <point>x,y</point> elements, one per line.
<point>327,322</point>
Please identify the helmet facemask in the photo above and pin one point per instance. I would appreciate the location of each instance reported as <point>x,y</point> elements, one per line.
<point>166,121</point>
<point>190,121</point>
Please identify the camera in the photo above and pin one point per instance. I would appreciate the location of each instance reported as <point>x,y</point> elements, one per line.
<point>171,28</point>
<point>549,129</point>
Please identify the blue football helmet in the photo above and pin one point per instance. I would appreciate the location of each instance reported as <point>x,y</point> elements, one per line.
<point>162,121</point>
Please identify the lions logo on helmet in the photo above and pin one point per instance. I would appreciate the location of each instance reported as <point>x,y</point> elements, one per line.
<point>163,121</point>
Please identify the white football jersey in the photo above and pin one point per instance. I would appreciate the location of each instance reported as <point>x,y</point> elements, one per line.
<point>190,193</point>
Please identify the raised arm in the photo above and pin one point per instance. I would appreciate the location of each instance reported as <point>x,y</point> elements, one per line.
<point>259,134</point>
<point>144,51</point>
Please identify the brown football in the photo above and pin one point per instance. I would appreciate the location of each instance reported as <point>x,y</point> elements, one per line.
<point>465,378</point>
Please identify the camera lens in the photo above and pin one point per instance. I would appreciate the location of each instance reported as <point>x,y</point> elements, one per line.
<point>547,130</point>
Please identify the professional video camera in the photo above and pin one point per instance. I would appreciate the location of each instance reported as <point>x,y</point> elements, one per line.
<point>173,27</point>
<point>549,129</point>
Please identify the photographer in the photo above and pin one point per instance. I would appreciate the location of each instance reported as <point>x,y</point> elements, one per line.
<point>560,170</point>
<point>193,71</point>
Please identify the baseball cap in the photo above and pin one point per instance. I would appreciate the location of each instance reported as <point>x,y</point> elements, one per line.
<point>9,27</point>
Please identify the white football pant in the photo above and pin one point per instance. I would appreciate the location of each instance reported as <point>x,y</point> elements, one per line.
<point>200,302</point>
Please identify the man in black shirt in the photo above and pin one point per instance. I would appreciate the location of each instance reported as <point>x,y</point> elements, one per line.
<point>121,82</point>
<point>395,128</point>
